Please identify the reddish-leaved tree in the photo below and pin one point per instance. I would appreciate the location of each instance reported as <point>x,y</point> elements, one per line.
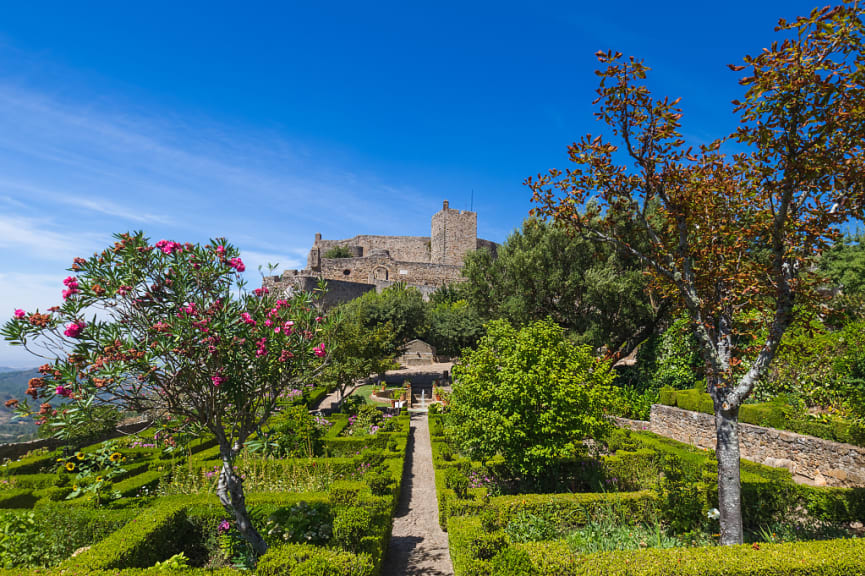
<point>732,236</point>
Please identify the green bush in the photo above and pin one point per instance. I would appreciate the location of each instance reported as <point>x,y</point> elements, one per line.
<point>813,558</point>
<point>154,535</point>
<point>350,526</point>
<point>530,395</point>
<point>305,560</point>
<point>17,498</point>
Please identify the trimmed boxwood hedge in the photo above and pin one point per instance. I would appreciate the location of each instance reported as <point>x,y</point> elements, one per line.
<point>17,498</point>
<point>305,560</point>
<point>475,552</point>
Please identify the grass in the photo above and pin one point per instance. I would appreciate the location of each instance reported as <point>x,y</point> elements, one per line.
<point>365,391</point>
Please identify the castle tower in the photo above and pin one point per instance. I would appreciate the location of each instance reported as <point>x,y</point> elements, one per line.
<point>454,233</point>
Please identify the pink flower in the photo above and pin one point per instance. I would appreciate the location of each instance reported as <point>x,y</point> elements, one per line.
<point>268,322</point>
<point>237,264</point>
<point>285,355</point>
<point>168,246</point>
<point>261,291</point>
<point>70,282</point>
<point>247,318</point>
<point>73,329</point>
<point>220,249</point>
<point>224,526</point>
<point>19,313</point>
<point>217,380</point>
<point>189,308</point>
<point>318,318</point>
<point>63,391</point>
<point>319,350</point>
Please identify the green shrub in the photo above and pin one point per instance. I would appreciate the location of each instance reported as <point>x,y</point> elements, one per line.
<point>346,493</point>
<point>154,535</point>
<point>301,523</point>
<point>457,481</point>
<point>527,527</point>
<point>305,560</point>
<point>350,526</point>
<point>17,498</point>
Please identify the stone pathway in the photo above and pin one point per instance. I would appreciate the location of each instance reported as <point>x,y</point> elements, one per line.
<point>418,545</point>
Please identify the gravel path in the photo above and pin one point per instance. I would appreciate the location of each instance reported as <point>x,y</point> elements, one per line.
<point>418,545</point>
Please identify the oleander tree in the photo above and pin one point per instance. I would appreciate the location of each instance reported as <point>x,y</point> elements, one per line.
<point>172,331</point>
<point>734,237</point>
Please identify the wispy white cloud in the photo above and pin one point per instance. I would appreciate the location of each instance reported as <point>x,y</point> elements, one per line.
<point>30,237</point>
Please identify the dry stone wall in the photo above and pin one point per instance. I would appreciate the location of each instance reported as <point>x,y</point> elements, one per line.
<point>811,460</point>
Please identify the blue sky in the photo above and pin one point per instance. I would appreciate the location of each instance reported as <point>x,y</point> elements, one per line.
<point>268,122</point>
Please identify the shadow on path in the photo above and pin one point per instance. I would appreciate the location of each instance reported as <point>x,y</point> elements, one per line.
<point>418,545</point>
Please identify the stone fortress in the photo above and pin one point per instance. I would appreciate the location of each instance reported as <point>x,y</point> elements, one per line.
<point>376,262</point>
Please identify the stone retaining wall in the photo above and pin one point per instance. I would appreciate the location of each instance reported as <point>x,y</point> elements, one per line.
<point>18,449</point>
<point>811,460</point>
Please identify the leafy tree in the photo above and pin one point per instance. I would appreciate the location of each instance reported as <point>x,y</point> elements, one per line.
<point>357,352</point>
<point>844,264</point>
<point>733,238</point>
<point>175,333</point>
<point>398,307</point>
<point>543,270</point>
<point>452,326</point>
<point>530,395</point>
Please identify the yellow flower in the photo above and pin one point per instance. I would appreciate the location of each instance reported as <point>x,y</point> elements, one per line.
<point>70,466</point>
<point>75,486</point>
<point>60,459</point>
<point>115,457</point>
<point>80,455</point>
<point>99,478</point>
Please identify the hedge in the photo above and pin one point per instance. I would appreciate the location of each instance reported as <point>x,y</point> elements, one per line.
<point>17,498</point>
<point>476,552</point>
<point>154,535</point>
<point>305,560</point>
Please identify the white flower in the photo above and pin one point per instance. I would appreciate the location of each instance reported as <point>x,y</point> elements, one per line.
<point>714,514</point>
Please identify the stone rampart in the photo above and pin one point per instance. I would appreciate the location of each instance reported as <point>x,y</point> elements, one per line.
<point>402,248</point>
<point>811,460</point>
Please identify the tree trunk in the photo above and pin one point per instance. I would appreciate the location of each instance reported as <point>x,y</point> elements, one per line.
<point>729,488</point>
<point>230,492</point>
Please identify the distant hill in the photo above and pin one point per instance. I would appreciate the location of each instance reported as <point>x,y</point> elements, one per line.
<point>13,383</point>
<point>7,369</point>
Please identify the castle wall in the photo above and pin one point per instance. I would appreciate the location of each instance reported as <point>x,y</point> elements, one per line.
<point>402,248</point>
<point>373,268</point>
<point>454,233</point>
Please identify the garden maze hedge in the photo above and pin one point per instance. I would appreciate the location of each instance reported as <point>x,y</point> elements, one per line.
<point>480,545</point>
<point>127,537</point>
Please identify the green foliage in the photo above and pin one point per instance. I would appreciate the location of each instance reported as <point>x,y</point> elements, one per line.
<point>528,527</point>
<point>350,526</point>
<point>844,264</point>
<point>399,308</point>
<point>156,534</point>
<point>297,433</point>
<point>306,560</point>
<point>302,523</point>
<point>452,326</point>
<point>530,395</point>
<point>338,252</point>
<point>177,562</point>
<point>542,271</point>
<point>22,542</point>
<point>605,535</point>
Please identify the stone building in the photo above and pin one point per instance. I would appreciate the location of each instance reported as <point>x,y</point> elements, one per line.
<point>376,262</point>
